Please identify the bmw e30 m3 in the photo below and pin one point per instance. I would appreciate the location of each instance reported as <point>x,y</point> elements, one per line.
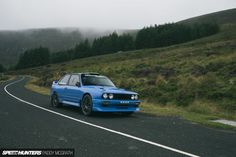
<point>93,92</point>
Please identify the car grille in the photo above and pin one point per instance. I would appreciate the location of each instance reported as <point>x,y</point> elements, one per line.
<point>122,96</point>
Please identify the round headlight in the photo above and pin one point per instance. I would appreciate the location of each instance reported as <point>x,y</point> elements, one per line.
<point>132,97</point>
<point>111,96</point>
<point>105,96</point>
<point>136,97</point>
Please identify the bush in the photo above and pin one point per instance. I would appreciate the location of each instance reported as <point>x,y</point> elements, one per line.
<point>143,71</point>
<point>128,83</point>
<point>3,77</point>
<point>160,90</point>
<point>188,90</point>
<point>214,66</point>
<point>211,87</point>
<point>198,70</point>
<point>228,104</point>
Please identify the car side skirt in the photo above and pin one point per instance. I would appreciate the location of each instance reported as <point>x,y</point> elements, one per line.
<point>71,103</point>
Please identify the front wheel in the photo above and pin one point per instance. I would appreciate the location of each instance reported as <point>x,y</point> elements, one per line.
<point>54,101</point>
<point>87,105</point>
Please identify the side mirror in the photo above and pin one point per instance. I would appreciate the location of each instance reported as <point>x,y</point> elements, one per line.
<point>77,84</point>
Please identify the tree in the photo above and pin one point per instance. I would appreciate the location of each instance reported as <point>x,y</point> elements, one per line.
<point>172,33</point>
<point>82,50</point>
<point>2,68</point>
<point>125,42</point>
<point>112,43</point>
<point>34,57</point>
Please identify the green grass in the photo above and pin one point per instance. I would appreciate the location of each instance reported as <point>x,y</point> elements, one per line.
<point>194,80</point>
<point>221,17</point>
<point>204,118</point>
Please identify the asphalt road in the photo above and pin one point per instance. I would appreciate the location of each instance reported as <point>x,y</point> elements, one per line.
<point>28,121</point>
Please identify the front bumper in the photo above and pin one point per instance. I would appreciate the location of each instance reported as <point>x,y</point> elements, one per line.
<point>103,105</point>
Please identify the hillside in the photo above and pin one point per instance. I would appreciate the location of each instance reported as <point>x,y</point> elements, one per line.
<point>12,43</point>
<point>221,17</point>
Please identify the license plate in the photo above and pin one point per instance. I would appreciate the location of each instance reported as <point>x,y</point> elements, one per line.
<point>124,102</point>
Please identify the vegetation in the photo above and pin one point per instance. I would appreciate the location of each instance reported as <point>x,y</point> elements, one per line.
<point>34,57</point>
<point>174,33</point>
<point>158,36</point>
<point>221,18</point>
<point>31,85</point>
<point>112,43</point>
<point>5,77</point>
<point>103,45</point>
<point>2,68</point>
<point>13,43</point>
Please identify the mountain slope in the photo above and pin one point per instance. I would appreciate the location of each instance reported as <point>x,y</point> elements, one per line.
<point>221,17</point>
<point>12,43</point>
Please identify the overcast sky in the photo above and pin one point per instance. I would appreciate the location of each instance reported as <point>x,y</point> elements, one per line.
<point>102,14</point>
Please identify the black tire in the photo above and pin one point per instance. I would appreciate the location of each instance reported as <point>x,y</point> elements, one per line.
<point>87,105</point>
<point>54,101</point>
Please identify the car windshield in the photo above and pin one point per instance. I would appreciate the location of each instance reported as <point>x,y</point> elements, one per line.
<point>94,80</point>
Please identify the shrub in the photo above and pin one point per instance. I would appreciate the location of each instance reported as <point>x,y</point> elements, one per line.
<point>214,66</point>
<point>143,72</point>
<point>3,77</point>
<point>127,84</point>
<point>198,70</point>
<point>211,87</point>
<point>188,90</point>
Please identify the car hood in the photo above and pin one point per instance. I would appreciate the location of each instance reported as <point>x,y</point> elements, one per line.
<point>114,90</point>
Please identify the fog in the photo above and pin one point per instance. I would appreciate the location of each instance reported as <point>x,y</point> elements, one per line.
<point>102,14</point>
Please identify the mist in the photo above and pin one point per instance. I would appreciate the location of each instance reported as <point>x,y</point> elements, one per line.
<point>102,14</point>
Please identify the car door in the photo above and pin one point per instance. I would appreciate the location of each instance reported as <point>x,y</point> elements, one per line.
<point>62,87</point>
<point>74,90</point>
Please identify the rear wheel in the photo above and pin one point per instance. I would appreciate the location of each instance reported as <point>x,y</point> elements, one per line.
<point>54,101</point>
<point>87,105</point>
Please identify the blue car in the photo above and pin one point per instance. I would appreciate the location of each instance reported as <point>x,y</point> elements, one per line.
<point>93,92</point>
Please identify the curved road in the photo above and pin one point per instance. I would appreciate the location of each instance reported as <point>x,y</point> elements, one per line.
<point>28,121</point>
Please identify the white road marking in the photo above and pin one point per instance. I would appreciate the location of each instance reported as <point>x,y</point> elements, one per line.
<point>97,126</point>
<point>224,121</point>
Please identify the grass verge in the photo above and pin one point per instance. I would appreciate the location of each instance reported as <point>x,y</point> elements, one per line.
<point>4,78</point>
<point>189,113</point>
<point>35,88</point>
